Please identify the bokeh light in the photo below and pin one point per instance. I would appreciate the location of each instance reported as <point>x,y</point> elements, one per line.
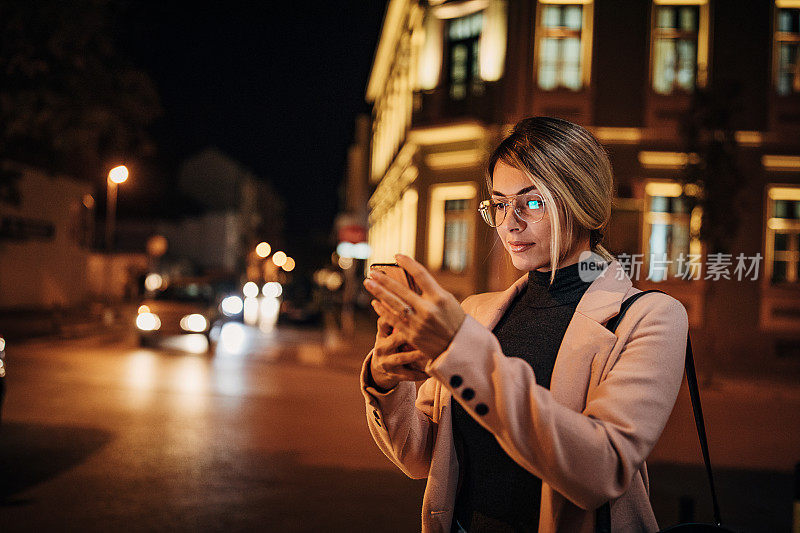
<point>279,259</point>
<point>232,305</point>
<point>250,290</point>
<point>118,174</point>
<point>263,249</point>
<point>272,289</point>
<point>153,282</point>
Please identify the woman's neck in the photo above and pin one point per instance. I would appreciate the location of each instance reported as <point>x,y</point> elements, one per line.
<point>571,259</point>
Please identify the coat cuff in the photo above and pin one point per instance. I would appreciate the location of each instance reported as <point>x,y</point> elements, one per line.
<point>458,364</point>
<point>384,400</point>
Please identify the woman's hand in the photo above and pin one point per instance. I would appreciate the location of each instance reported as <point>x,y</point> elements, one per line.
<point>428,321</point>
<point>393,360</point>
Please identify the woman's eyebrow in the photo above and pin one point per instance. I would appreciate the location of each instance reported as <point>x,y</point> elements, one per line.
<point>521,191</point>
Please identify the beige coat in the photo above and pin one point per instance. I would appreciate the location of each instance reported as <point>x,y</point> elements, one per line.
<point>587,437</point>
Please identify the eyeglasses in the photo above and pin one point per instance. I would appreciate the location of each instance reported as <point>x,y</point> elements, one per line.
<point>528,207</point>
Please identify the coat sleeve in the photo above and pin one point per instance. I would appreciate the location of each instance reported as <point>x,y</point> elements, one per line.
<point>403,427</point>
<point>590,457</point>
<point>403,421</point>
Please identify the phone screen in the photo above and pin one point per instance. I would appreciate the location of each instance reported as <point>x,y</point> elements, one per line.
<point>397,273</point>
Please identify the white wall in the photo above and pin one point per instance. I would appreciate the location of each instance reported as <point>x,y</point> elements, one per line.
<point>49,271</point>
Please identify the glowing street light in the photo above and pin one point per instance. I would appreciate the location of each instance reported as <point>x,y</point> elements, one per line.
<point>289,265</point>
<point>116,176</point>
<point>263,249</point>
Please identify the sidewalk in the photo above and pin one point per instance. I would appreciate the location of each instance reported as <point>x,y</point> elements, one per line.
<point>21,325</point>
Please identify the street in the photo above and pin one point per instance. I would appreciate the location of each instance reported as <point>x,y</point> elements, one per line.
<point>99,435</point>
<point>268,434</point>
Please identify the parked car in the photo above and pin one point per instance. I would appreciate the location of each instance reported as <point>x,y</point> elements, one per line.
<point>2,374</point>
<point>181,307</point>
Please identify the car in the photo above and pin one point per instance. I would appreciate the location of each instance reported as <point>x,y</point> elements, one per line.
<point>182,306</point>
<point>2,374</point>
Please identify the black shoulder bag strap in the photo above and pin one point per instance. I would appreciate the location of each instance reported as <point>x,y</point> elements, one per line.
<point>603,517</point>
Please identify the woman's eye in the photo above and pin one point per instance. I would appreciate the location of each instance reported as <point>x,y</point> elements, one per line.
<point>534,204</point>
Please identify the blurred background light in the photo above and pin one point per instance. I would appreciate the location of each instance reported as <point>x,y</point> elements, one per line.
<point>263,249</point>
<point>345,249</point>
<point>250,316</point>
<point>153,282</point>
<point>232,305</point>
<point>148,322</point>
<point>279,259</point>
<point>250,290</point>
<point>272,289</point>
<point>194,322</point>
<point>361,250</point>
<point>118,174</point>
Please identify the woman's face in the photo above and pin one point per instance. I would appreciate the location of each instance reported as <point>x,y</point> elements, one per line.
<point>528,244</point>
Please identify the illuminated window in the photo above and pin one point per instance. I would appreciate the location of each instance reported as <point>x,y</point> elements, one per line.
<point>679,45</point>
<point>451,226</point>
<point>783,234</point>
<point>787,44</point>
<point>670,231</point>
<point>564,45</point>
<point>456,235</point>
<point>464,37</point>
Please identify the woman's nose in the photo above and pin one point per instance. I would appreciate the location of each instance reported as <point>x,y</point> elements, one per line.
<point>512,221</point>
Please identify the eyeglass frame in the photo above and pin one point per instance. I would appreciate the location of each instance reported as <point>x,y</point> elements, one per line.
<point>484,206</point>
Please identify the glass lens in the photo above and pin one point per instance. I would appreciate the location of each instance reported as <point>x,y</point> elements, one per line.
<point>492,212</point>
<point>531,207</point>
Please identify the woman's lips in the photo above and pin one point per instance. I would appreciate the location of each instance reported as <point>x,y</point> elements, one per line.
<point>519,246</point>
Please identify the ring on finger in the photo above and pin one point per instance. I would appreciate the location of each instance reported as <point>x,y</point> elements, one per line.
<point>405,312</point>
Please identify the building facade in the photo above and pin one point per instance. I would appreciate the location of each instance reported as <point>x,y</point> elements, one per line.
<point>45,242</point>
<point>450,78</point>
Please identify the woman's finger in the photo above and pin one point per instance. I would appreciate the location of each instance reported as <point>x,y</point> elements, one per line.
<point>386,317</point>
<point>408,296</point>
<point>410,357</point>
<point>389,300</point>
<point>420,274</point>
<point>411,375</point>
<point>385,328</point>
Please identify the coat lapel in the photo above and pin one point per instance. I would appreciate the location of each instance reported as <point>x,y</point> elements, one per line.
<point>586,338</point>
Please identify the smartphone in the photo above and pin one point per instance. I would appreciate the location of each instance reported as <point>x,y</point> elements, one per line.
<point>397,273</point>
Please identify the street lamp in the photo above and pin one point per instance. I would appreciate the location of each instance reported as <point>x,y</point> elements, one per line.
<point>116,176</point>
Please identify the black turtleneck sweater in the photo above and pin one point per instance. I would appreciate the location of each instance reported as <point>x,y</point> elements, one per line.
<point>495,493</point>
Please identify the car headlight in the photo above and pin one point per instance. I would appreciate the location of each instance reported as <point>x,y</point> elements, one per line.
<point>196,323</point>
<point>148,322</point>
<point>232,305</point>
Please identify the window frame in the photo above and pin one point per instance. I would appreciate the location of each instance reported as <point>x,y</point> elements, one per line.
<point>776,7</point>
<point>473,56</point>
<point>702,65</point>
<point>587,38</point>
<point>669,188</point>
<point>439,193</point>
<point>773,225</point>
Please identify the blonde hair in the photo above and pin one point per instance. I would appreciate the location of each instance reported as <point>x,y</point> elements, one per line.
<point>571,170</point>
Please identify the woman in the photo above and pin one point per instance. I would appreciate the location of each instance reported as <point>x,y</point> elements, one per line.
<point>532,414</point>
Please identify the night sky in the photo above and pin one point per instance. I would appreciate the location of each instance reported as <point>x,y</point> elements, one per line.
<point>274,85</point>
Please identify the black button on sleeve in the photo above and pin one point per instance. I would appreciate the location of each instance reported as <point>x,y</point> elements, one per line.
<point>468,394</point>
<point>456,381</point>
<point>481,409</point>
